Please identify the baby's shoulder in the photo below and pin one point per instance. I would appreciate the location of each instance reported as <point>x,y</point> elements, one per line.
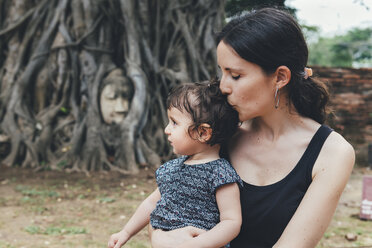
<point>172,163</point>
<point>223,162</point>
<point>223,172</point>
<point>222,165</point>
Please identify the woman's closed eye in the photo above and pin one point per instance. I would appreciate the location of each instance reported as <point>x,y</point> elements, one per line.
<point>235,76</point>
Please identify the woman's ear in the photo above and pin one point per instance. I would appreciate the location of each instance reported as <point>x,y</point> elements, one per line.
<point>204,132</point>
<point>283,76</point>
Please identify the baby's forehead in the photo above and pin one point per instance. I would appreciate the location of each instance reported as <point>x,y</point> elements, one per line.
<point>180,114</point>
<point>180,109</point>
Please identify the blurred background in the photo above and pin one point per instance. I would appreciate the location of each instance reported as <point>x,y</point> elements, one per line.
<point>83,85</point>
<point>338,32</point>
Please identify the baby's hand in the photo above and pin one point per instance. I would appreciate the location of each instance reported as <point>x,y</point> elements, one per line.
<point>117,240</point>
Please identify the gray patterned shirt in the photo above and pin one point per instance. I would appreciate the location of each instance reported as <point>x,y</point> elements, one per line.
<point>188,193</point>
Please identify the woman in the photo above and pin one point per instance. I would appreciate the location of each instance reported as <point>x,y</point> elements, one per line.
<point>294,168</point>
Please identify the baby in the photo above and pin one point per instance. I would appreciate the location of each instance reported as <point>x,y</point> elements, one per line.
<point>199,188</point>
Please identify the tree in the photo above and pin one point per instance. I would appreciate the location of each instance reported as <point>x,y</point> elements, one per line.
<point>56,55</point>
<point>351,49</point>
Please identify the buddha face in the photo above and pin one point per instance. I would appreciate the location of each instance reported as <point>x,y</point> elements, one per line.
<point>115,100</point>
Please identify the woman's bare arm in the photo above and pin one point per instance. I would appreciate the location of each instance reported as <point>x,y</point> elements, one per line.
<point>330,175</point>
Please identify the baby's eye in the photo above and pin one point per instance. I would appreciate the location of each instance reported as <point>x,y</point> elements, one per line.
<point>235,76</point>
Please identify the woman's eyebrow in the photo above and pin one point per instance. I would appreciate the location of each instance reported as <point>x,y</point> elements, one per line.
<point>227,69</point>
<point>239,70</point>
<point>231,68</point>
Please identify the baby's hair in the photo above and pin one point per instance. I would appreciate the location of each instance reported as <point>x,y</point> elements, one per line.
<point>206,104</point>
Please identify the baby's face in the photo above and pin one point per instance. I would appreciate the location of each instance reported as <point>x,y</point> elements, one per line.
<point>178,132</point>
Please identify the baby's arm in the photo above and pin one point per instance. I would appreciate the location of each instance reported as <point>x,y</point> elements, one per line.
<point>138,221</point>
<point>228,201</point>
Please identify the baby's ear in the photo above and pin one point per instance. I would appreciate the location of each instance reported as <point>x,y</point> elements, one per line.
<point>204,132</point>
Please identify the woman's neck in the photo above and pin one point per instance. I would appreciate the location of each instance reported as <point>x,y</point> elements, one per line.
<point>279,121</point>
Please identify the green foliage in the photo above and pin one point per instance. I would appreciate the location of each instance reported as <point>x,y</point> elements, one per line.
<point>32,229</point>
<point>327,235</point>
<point>311,33</point>
<point>341,55</point>
<point>352,49</point>
<point>6,245</point>
<point>39,209</point>
<point>55,230</point>
<point>81,196</point>
<point>64,110</point>
<point>27,192</point>
<point>62,164</point>
<point>3,201</point>
<point>106,200</point>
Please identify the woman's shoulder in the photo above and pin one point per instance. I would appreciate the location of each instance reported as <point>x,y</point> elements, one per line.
<point>337,144</point>
<point>336,154</point>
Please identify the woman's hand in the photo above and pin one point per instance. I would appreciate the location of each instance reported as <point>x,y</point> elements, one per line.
<point>170,239</point>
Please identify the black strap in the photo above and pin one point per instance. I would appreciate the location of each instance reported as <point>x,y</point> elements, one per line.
<point>314,147</point>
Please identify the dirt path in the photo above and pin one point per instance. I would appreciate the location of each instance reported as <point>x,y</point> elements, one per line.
<point>52,209</point>
<point>346,219</point>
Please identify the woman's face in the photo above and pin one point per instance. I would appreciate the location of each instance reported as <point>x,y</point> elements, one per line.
<point>249,90</point>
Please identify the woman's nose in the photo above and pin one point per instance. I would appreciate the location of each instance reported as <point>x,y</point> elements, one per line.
<point>224,87</point>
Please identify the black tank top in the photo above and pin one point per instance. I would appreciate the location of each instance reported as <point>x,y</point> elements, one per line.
<point>266,210</point>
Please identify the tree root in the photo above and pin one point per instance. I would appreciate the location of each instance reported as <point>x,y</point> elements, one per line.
<point>59,52</point>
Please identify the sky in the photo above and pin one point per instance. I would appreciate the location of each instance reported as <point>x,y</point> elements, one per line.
<point>333,16</point>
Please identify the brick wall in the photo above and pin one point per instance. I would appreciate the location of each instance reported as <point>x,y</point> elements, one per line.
<point>351,100</point>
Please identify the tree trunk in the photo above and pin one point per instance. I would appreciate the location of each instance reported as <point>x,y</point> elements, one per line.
<point>57,57</point>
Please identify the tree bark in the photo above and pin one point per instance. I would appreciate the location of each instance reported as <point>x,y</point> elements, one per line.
<point>55,56</point>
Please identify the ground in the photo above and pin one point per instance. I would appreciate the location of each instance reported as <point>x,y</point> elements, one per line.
<point>55,209</point>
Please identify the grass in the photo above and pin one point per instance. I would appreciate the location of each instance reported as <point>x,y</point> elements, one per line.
<point>32,192</point>
<point>105,200</point>
<point>53,209</point>
<point>55,230</point>
<point>6,245</point>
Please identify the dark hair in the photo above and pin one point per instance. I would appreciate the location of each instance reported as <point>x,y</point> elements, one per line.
<point>205,103</point>
<point>271,38</point>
